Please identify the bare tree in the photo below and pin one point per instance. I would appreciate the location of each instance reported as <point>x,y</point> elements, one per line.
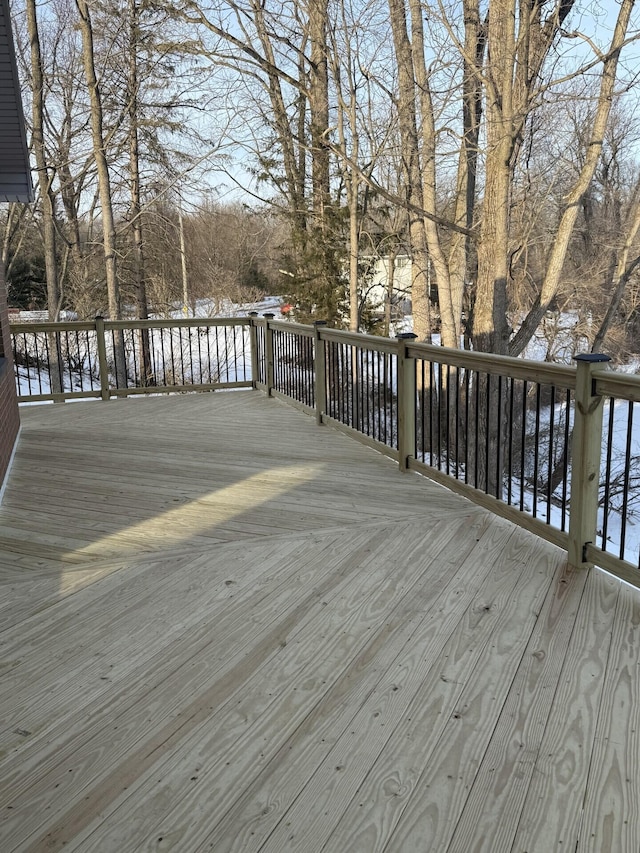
<point>45,174</point>
<point>104,184</point>
<point>569,215</point>
<point>412,167</point>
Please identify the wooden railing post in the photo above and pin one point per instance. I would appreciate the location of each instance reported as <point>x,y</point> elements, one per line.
<point>253,342</point>
<point>320,372</point>
<point>406,401</point>
<point>103,367</point>
<point>585,459</point>
<point>268,349</point>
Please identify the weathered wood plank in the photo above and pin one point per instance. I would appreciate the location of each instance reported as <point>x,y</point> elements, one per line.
<point>611,820</point>
<point>328,667</point>
<point>554,758</point>
<point>281,610</point>
<point>402,749</point>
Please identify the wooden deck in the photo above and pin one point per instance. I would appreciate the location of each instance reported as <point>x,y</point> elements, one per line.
<point>224,628</point>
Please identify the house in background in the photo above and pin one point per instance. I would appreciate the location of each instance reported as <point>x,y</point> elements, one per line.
<point>380,286</point>
<point>15,186</point>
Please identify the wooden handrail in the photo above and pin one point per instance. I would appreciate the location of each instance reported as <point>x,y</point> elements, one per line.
<point>608,383</point>
<point>88,325</point>
<point>498,365</point>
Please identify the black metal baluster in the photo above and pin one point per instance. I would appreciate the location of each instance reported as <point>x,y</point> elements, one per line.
<point>536,452</point>
<point>447,414</point>
<point>607,479</point>
<point>510,450</point>
<point>423,419</point>
<point>439,418</point>
<point>565,459</point>
<point>199,339</point>
<point>173,358</point>
<point>388,404</point>
<point>163,351</point>
<point>393,397</point>
<point>477,427</point>
<point>457,427</point>
<point>467,383</point>
<point>625,485</point>
<point>190,334</point>
<point>487,453</point>
<point>137,377</point>
<point>432,380</point>
<point>235,355</point>
<point>499,440</point>
<point>523,442</point>
<point>218,361</point>
<point>552,412</point>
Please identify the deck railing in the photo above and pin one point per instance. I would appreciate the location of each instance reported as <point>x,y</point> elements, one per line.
<point>101,358</point>
<point>522,438</point>
<point>547,446</point>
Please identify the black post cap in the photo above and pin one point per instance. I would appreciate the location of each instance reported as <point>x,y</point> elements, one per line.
<point>592,357</point>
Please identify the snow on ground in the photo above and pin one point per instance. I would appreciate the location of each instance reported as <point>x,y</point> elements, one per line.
<point>226,308</point>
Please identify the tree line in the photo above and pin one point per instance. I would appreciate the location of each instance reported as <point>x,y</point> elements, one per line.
<point>491,141</point>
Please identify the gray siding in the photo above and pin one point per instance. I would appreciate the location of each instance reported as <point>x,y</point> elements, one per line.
<point>15,177</point>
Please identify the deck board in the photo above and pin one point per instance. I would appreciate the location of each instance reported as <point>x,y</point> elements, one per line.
<point>225,628</point>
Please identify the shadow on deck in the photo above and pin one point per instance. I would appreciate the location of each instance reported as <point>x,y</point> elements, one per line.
<point>224,628</point>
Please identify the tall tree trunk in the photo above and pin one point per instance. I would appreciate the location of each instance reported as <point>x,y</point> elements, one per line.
<point>104,183</point>
<point>354,228</point>
<point>319,110</point>
<point>321,256</point>
<point>69,195</point>
<point>183,264</point>
<point>465,200</point>
<point>352,180</point>
<point>431,237</point>
<point>388,293</point>
<point>294,166</point>
<point>45,179</point>
<point>411,168</point>
<point>135,207</point>
<point>490,326</point>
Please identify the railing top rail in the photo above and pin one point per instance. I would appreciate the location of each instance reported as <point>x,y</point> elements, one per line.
<point>181,322</point>
<point>67,326</point>
<point>517,368</point>
<point>503,365</point>
<point>622,385</point>
<point>288,326</point>
<point>86,325</point>
<point>368,342</point>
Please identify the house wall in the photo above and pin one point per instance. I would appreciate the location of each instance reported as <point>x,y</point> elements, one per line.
<point>377,288</point>
<point>15,177</point>
<point>9,418</point>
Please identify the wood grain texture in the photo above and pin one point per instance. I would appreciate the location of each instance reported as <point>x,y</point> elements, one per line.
<point>611,821</point>
<point>554,767</point>
<point>225,628</point>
